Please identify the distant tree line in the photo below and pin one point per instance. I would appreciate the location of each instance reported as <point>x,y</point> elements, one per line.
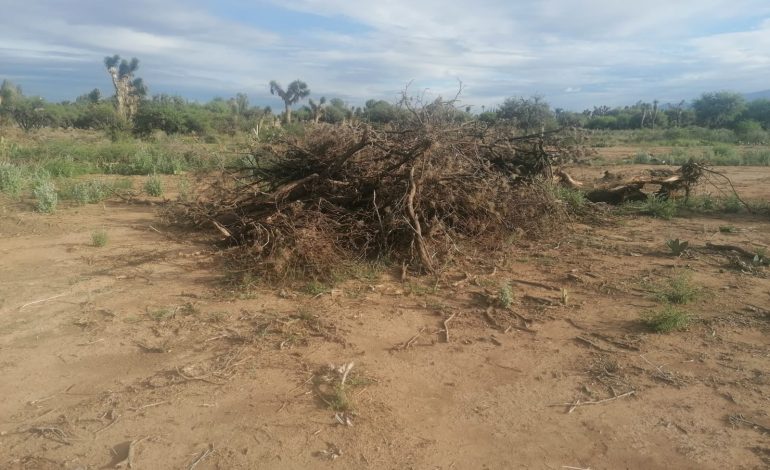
<point>131,108</point>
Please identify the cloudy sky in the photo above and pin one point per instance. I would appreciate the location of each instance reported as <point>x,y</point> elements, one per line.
<point>576,53</point>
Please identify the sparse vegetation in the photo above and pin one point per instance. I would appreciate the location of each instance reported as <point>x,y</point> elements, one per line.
<point>505,296</point>
<point>160,314</point>
<point>677,290</point>
<point>12,179</point>
<point>456,249</point>
<point>334,386</point>
<point>574,198</point>
<point>677,246</point>
<point>667,319</point>
<point>316,288</point>
<point>153,186</point>
<point>654,206</point>
<point>46,197</point>
<point>99,238</point>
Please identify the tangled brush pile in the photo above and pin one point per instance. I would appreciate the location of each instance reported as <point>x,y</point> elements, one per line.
<point>417,192</point>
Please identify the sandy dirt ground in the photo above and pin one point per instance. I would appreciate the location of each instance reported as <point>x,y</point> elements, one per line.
<point>140,353</point>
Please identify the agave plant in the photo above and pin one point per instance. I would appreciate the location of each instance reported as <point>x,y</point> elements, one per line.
<point>677,246</point>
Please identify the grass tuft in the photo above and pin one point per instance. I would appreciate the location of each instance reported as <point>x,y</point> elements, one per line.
<point>667,319</point>
<point>12,179</point>
<point>505,296</point>
<point>99,238</point>
<point>153,186</point>
<point>678,290</point>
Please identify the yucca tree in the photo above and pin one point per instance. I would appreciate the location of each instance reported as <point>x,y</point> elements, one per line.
<point>297,90</point>
<point>317,108</point>
<point>128,90</point>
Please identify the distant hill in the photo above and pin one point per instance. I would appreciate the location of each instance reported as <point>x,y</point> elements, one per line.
<point>757,95</point>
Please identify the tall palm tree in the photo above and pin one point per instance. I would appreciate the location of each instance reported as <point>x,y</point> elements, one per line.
<point>296,91</point>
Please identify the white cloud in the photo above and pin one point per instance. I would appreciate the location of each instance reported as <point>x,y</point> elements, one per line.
<point>577,52</point>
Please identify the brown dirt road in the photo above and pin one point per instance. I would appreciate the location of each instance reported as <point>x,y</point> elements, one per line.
<point>139,345</point>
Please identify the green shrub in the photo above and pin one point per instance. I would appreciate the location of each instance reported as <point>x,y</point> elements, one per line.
<point>505,296</point>
<point>756,158</point>
<point>87,192</point>
<point>642,158</point>
<point>662,208</point>
<point>732,204</point>
<point>574,198</point>
<point>99,238</point>
<point>66,167</point>
<point>667,319</point>
<point>12,179</point>
<point>678,290</point>
<point>46,196</point>
<point>184,188</point>
<point>153,186</point>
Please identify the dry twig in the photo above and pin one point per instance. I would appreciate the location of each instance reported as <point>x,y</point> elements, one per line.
<point>446,326</point>
<point>573,405</point>
<point>200,458</point>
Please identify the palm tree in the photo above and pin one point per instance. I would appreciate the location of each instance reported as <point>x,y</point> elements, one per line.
<point>296,91</point>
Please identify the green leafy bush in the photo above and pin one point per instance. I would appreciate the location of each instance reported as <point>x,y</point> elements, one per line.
<point>45,195</point>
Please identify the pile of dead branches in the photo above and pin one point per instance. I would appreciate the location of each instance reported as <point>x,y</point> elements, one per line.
<point>419,193</point>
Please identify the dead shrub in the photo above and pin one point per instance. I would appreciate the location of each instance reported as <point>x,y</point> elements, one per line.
<point>417,192</point>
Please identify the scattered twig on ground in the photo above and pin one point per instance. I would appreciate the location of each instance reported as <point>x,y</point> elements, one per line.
<point>150,405</point>
<point>115,418</point>
<point>446,326</point>
<point>526,321</point>
<point>662,374</point>
<point>203,378</point>
<point>166,235</point>
<point>41,400</point>
<point>91,342</point>
<point>345,371</point>
<point>43,300</point>
<point>615,342</point>
<point>150,349</point>
<point>203,455</point>
<point>737,419</point>
<point>534,284</point>
<point>587,341</point>
<point>50,432</point>
<point>577,403</point>
<point>332,452</point>
<point>408,344</point>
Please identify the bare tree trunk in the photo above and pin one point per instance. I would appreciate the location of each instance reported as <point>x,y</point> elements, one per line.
<point>287,113</point>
